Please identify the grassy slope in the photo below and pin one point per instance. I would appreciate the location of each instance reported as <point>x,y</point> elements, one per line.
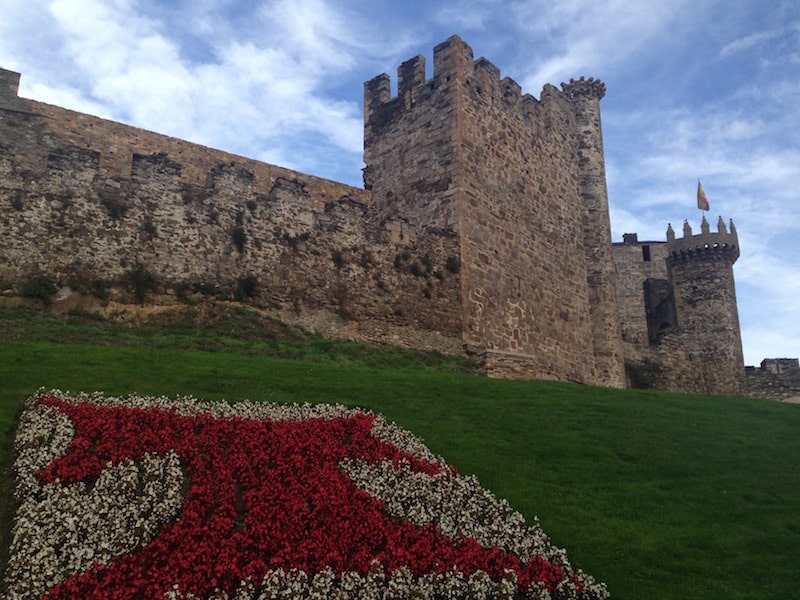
<point>659,495</point>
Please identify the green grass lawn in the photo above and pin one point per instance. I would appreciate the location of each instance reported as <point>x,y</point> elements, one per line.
<point>659,495</point>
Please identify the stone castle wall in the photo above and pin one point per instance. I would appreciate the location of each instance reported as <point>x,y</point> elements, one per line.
<point>680,319</point>
<point>91,202</point>
<point>637,262</point>
<point>776,378</point>
<point>483,227</point>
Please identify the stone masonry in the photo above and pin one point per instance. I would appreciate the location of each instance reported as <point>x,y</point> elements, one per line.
<point>483,228</point>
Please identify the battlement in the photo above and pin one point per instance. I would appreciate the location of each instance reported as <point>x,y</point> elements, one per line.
<point>778,366</point>
<point>587,88</point>
<point>453,65</point>
<point>723,244</point>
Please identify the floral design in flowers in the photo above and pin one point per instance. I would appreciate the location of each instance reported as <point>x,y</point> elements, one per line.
<point>150,498</point>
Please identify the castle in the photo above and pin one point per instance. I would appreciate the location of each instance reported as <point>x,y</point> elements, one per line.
<point>483,227</point>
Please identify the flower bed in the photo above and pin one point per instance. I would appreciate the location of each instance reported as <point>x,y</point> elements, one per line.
<point>176,498</point>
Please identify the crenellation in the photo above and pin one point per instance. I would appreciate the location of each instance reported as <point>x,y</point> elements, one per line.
<point>10,101</point>
<point>9,88</point>
<point>410,79</point>
<point>158,163</point>
<point>775,378</point>
<point>722,244</point>
<point>531,108</point>
<point>512,91</point>
<point>452,60</point>
<point>377,90</point>
<point>487,79</point>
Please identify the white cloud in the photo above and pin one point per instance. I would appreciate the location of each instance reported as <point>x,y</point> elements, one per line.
<point>749,41</point>
<point>581,35</point>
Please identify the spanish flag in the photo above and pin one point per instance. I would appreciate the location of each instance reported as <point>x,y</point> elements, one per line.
<point>702,201</point>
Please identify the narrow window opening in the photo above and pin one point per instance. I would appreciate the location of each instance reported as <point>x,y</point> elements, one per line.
<point>646,253</point>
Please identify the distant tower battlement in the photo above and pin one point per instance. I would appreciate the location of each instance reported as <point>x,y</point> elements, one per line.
<point>9,90</point>
<point>722,245</point>
<point>9,84</point>
<point>592,88</point>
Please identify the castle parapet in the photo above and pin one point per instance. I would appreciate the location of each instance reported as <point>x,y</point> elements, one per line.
<point>590,88</point>
<point>724,244</point>
<point>453,64</point>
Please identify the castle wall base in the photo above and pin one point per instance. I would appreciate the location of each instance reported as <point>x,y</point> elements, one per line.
<point>513,365</point>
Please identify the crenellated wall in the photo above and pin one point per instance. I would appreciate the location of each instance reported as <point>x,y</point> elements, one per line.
<point>90,203</point>
<point>483,227</point>
<point>776,378</point>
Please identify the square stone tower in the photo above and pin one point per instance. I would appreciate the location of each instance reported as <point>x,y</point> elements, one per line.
<point>520,183</point>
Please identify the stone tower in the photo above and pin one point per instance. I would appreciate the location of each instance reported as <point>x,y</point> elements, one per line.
<point>700,271</point>
<point>586,96</point>
<point>520,184</point>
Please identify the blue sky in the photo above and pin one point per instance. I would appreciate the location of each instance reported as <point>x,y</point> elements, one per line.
<point>705,89</point>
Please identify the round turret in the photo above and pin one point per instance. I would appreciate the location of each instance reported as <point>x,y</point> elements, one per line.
<point>700,269</point>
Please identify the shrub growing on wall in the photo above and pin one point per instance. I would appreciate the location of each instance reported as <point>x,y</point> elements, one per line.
<point>239,238</point>
<point>142,281</point>
<point>39,287</point>
<point>245,288</point>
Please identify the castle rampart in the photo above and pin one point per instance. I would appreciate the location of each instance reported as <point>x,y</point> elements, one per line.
<point>700,269</point>
<point>483,227</point>
<point>91,203</point>
<point>722,245</point>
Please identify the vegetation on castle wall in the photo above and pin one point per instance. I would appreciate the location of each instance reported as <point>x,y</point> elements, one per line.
<point>296,242</point>
<point>338,258</point>
<point>453,264</point>
<point>17,200</point>
<point>115,207</point>
<point>246,288</point>
<point>141,282</point>
<point>239,238</point>
<point>100,289</point>
<point>643,375</point>
<point>149,227</point>
<point>39,287</point>
<point>401,258</point>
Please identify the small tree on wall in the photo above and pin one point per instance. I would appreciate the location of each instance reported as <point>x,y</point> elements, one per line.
<point>142,282</point>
